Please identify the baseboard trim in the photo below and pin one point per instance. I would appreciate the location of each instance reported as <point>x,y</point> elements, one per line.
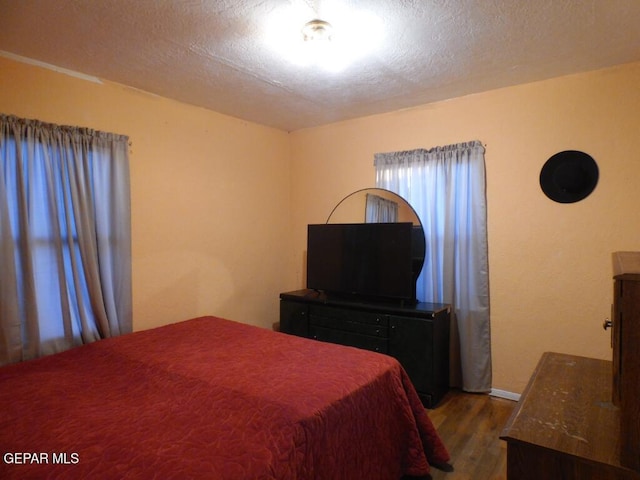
<point>504,394</point>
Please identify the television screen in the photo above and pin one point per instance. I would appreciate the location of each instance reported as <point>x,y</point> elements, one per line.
<point>365,259</point>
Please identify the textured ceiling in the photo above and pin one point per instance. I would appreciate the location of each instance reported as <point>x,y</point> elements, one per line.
<point>221,54</point>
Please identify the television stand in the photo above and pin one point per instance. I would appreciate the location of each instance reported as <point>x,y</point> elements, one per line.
<point>417,335</point>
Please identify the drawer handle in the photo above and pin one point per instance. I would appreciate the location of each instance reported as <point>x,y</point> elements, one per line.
<point>607,323</point>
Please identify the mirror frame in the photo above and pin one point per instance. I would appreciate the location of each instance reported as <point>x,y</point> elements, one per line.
<point>409,214</point>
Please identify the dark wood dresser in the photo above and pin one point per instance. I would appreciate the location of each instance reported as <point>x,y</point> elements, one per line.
<point>626,364</point>
<point>565,425</point>
<point>417,335</point>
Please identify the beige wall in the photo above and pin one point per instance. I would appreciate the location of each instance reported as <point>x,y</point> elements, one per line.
<point>550,263</point>
<point>210,195</point>
<point>220,206</point>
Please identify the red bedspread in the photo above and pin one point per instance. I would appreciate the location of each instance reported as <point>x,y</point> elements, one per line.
<point>215,399</point>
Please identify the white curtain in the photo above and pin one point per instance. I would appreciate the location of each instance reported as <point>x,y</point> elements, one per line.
<point>380,210</point>
<point>446,187</point>
<point>65,237</point>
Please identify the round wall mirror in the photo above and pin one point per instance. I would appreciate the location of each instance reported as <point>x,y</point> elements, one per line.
<point>377,205</point>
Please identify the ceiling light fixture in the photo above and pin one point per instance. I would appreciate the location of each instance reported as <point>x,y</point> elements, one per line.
<point>351,35</point>
<point>317,30</point>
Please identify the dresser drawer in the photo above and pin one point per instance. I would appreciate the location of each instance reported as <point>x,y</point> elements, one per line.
<point>367,342</point>
<point>356,316</point>
<point>349,326</point>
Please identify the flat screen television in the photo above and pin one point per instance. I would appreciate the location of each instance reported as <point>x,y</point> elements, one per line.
<point>369,260</point>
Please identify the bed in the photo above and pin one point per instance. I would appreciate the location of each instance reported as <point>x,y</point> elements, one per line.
<point>213,399</point>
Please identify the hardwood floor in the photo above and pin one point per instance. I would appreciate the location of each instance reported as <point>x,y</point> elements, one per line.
<point>470,426</point>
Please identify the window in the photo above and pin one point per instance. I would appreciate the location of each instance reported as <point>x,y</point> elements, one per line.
<point>446,187</point>
<point>64,235</point>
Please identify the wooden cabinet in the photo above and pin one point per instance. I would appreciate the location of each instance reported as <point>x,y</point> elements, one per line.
<point>565,425</point>
<point>293,318</point>
<point>417,335</point>
<point>626,364</point>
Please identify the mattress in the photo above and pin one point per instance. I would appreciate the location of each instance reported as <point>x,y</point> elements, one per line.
<point>216,399</point>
